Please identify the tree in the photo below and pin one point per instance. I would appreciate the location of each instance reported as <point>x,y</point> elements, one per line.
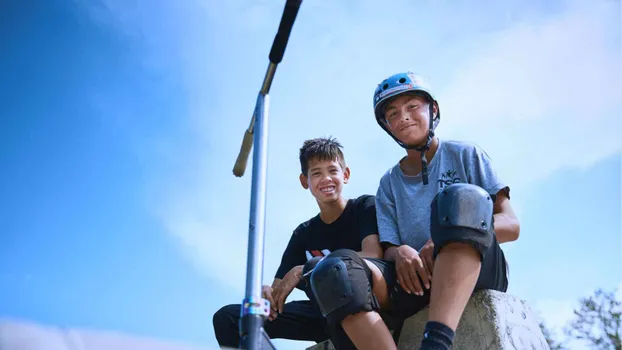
<point>553,344</point>
<point>598,321</point>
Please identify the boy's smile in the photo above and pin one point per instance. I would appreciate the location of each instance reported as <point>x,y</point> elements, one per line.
<point>408,119</point>
<point>328,190</point>
<point>325,179</point>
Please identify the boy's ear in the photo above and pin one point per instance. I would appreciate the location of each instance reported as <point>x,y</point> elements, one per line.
<point>304,181</point>
<point>346,175</point>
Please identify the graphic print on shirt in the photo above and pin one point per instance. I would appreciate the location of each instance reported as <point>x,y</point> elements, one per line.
<point>314,253</point>
<point>449,177</point>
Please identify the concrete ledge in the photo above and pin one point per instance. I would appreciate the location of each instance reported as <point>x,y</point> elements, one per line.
<point>491,321</point>
<point>325,345</point>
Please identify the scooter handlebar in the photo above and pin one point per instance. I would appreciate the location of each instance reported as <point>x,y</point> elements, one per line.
<point>245,149</point>
<point>285,28</point>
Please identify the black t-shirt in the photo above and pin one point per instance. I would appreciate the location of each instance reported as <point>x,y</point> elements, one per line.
<point>316,238</point>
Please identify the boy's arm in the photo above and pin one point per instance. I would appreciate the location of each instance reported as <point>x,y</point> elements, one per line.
<point>506,224</point>
<point>391,252</point>
<point>371,247</point>
<point>293,256</point>
<point>387,220</point>
<point>370,243</point>
<point>276,282</point>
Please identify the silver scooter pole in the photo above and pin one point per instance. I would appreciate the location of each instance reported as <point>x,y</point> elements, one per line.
<point>255,309</point>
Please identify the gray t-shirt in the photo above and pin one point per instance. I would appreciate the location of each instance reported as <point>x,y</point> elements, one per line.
<point>403,202</point>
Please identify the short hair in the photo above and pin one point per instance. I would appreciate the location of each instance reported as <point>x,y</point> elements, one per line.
<point>321,148</point>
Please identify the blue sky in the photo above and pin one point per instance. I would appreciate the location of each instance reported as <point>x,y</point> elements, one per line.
<point>121,122</point>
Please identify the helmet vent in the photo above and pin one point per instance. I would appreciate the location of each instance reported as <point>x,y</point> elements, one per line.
<point>402,80</point>
<point>385,86</point>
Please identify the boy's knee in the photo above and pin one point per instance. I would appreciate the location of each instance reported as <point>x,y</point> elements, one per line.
<point>341,284</point>
<point>462,213</point>
<point>225,321</point>
<point>305,283</point>
<point>311,264</point>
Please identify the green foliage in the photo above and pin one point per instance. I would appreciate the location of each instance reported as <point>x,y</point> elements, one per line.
<point>598,321</point>
<point>553,344</point>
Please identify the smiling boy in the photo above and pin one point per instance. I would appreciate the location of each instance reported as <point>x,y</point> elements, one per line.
<point>442,214</point>
<point>340,224</point>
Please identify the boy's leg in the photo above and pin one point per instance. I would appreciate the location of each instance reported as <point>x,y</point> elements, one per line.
<point>342,286</point>
<point>394,303</point>
<point>300,320</point>
<point>466,259</point>
<point>367,329</point>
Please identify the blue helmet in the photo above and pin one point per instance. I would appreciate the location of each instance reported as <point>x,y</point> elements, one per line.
<point>396,85</point>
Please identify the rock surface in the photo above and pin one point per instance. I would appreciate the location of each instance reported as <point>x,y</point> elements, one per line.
<point>491,321</point>
<point>325,345</point>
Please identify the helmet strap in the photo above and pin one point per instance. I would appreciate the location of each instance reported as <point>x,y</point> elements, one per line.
<point>425,148</point>
<point>422,149</point>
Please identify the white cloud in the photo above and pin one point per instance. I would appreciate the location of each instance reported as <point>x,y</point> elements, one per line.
<point>543,96</point>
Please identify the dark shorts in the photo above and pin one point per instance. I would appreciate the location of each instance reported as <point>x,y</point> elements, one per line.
<point>493,275</point>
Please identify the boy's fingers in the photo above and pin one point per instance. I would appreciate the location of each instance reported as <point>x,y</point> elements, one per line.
<point>408,282</point>
<point>281,300</point>
<point>272,314</point>
<point>423,272</point>
<point>269,297</point>
<point>429,264</point>
<point>402,280</point>
<point>414,280</point>
<point>275,296</point>
<point>277,305</point>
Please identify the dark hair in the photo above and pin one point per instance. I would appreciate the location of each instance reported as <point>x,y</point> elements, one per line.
<point>322,148</point>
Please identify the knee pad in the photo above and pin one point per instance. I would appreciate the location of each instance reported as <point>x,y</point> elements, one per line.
<point>311,264</point>
<point>462,213</point>
<point>341,285</point>
<point>306,273</point>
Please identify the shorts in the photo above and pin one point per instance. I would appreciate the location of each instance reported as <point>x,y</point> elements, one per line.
<point>493,275</point>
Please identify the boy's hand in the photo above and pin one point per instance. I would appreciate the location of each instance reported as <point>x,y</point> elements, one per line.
<point>426,253</point>
<point>408,263</point>
<point>266,292</point>
<point>288,283</point>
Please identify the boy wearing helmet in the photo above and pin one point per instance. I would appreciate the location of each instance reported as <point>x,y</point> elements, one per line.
<point>442,213</point>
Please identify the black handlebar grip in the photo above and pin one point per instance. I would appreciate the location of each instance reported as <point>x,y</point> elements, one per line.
<point>285,28</point>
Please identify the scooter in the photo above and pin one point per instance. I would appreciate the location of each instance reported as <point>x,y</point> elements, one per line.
<point>255,309</point>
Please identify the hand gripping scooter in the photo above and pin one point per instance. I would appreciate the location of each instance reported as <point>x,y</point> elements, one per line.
<point>255,309</point>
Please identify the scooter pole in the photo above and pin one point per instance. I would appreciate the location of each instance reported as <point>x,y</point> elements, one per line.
<point>255,309</point>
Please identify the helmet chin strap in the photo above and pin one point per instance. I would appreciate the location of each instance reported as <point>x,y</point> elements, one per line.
<point>424,148</point>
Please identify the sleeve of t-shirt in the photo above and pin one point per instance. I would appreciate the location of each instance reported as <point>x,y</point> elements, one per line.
<point>484,175</point>
<point>293,255</point>
<point>368,220</point>
<point>386,214</point>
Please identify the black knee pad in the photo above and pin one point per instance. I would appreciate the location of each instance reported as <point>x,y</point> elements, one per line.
<point>305,283</point>
<point>311,264</point>
<point>462,213</point>
<point>341,285</point>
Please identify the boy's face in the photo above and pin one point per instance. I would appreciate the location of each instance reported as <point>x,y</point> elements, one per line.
<point>408,119</point>
<point>325,180</point>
